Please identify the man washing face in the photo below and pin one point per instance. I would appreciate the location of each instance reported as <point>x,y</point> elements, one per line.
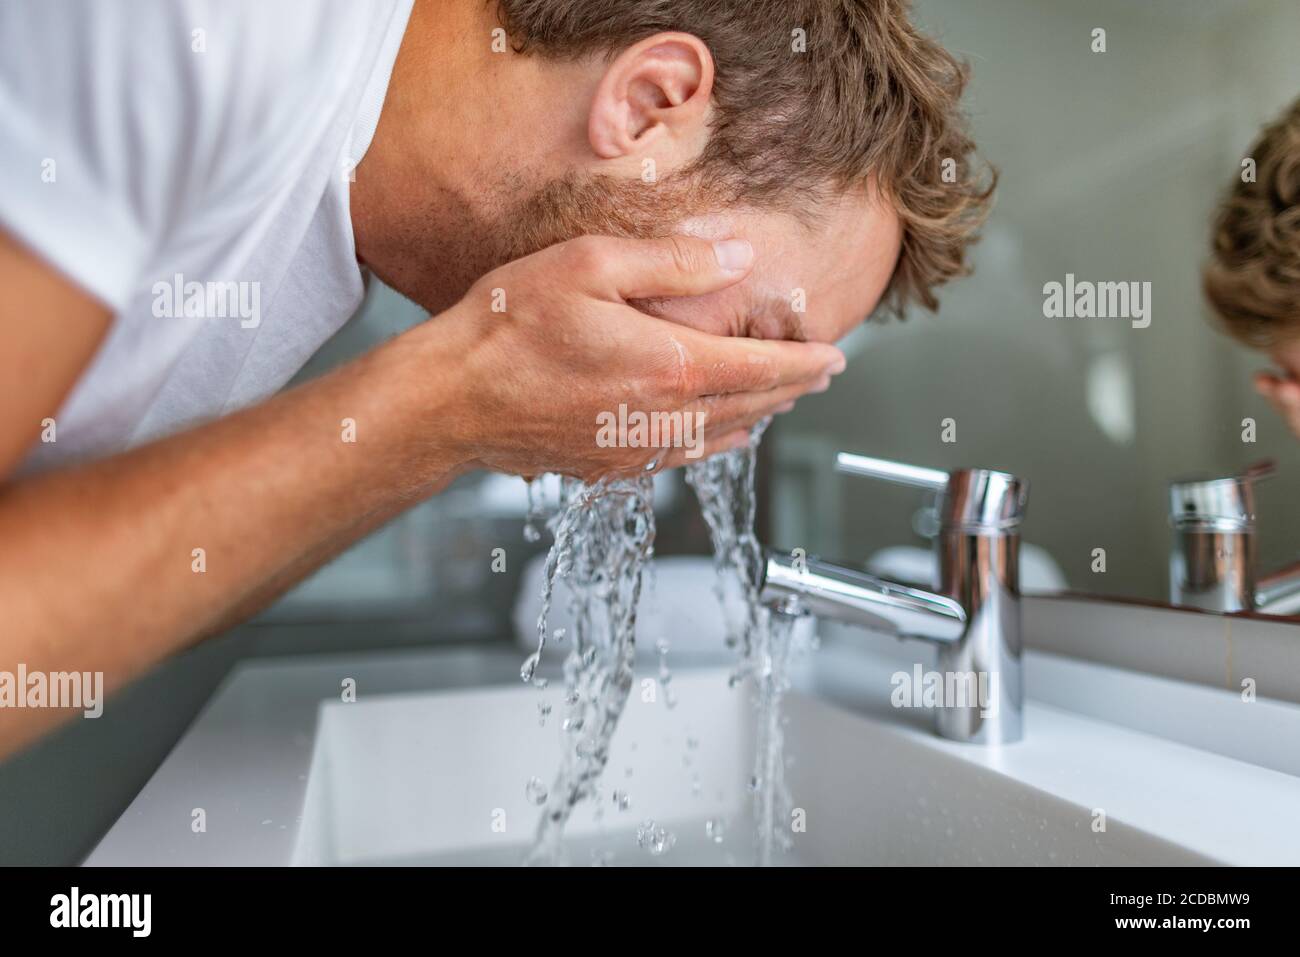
<point>600,203</point>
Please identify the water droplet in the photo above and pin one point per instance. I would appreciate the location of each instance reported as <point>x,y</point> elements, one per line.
<point>543,712</point>
<point>535,791</point>
<point>655,839</point>
<point>644,832</point>
<point>531,532</point>
<point>716,829</point>
<point>622,800</point>
<point>528,668</point>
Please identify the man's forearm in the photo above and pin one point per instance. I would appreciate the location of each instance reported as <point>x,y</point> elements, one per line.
<point>150,549</point>
<point>269,591</point>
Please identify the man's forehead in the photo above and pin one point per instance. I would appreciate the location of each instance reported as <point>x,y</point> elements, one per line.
<point>814,277</point>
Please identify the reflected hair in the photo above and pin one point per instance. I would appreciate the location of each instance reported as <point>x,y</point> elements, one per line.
<point>1252,280</point>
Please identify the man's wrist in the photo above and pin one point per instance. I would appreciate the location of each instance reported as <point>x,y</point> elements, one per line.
<point>422,375</point>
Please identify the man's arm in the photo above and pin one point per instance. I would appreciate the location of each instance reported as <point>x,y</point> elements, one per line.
<point>51,329</point>
<point>98,566</point>
<point>96,562</point>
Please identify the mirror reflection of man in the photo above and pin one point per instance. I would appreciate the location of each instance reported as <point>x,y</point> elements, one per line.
<point>1253,277</point>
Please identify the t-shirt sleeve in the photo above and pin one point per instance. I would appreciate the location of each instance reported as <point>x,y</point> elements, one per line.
<point>126,126</point>
<point>87,139</point>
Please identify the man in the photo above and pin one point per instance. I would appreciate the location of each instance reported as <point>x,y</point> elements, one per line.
<point>1253,278</point>
<point>598,201</point>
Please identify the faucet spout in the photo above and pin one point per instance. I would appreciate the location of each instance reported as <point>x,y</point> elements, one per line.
<point>852,597</point>
<point>973,614</point>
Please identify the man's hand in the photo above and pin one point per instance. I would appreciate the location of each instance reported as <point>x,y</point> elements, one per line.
<point>551,343</point>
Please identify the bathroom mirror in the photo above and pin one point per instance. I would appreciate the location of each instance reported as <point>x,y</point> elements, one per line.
<point>1112,161</point>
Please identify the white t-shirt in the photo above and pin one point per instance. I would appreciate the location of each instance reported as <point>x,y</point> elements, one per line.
<point>188,163</point>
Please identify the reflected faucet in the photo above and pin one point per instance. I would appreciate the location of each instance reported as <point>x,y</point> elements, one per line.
<point>1213,564</point>
<point>973,613</point>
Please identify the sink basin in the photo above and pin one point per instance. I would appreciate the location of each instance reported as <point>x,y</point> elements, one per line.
<point>440,779</point>
<point>419,770</point>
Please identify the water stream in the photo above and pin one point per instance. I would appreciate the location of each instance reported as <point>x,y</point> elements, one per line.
<point>765,644</point>
<point>604,535</point>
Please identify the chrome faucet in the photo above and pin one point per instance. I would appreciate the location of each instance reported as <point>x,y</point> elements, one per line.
<point>973,614</point>
<point>1213,564</point>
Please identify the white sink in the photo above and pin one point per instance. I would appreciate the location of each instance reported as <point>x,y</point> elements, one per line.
<point>440,778</point>
<point>410,774</point>
<point>422,779</point>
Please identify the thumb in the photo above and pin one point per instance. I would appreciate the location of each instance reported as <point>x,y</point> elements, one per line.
<point>623,269</point>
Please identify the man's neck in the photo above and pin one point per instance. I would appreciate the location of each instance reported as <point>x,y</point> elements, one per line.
<point>416,149</point>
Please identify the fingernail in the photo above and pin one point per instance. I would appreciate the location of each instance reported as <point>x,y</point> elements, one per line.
<point>783,408</point>
<point>836,367</point>
<point>822,385</point>
<point>734,255</point>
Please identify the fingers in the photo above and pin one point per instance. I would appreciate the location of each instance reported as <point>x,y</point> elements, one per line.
<point>723,424</point>
<point>724,413</point>
<point>720,365</point>
<point>735,439</point>
<point>726,421</point>
<point>623,269</point>
<point>1266,383</point>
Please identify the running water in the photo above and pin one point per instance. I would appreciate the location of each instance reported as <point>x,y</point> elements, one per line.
<point>765,643</point>
<point>604,534</point>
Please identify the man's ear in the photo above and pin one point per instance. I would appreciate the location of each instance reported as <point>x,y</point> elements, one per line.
<point>653,92</point>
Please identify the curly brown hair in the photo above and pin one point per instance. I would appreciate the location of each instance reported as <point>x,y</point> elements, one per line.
<point>1253,277</point>
<point>869,102</point>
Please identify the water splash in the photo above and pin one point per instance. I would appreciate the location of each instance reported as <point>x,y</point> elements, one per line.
<point>604,534</point>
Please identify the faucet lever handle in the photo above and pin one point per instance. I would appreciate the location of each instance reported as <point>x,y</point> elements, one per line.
<point>979,501</point>
<point>899,472</point>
